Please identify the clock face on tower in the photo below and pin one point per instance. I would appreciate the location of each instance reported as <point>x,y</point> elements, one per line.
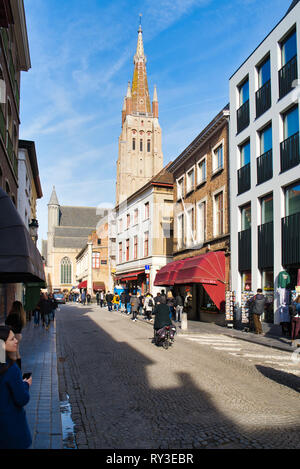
<point>141,101</point>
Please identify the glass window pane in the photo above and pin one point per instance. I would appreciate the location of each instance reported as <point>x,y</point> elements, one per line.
<point>246,217</point>
<point>266,140</point>
<point>245,154</point>
<point>244,92</point>
<point>291,123</point>
<point>292,199</point>
<point>289,49</point>
<point>267,209</point>
<point>264,73</point>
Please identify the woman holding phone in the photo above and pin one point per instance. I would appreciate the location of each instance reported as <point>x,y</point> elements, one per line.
<point>14,395</point>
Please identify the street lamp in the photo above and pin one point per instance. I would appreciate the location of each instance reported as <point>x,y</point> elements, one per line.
<point>33,229</point>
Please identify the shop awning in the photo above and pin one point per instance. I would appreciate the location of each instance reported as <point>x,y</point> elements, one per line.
<point>126,277</point>
<point>167,274</point>
<point>98,286</point>
<point>82,284</point>
<point>20,260</point>
<point>209,270</point>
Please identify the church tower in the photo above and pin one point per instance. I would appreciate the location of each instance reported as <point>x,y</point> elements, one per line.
<point>140,149</point>
<point>53,221</point>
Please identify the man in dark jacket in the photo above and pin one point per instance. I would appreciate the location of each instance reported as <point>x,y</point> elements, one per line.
<point>163,297</point>
<point>257,306</point>
<point>109,297</point>
<point>135,303</point>
<point>162,316</point>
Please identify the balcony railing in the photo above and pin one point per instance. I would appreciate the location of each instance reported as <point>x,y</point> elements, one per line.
<point>244,181</point>
<point>263,98</point>
<point>290,233</point>
<point>264,164</point>
<point>265,246</point>
<point>243,117</point>
<point>244,250</point>
<point>289,152</point>
<point>287,74</point>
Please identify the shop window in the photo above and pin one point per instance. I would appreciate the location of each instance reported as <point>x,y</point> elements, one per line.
<point>246,281</point>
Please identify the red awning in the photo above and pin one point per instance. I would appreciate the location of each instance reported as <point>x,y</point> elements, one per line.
<point>126,277</point>
<point>208,269</point>
<point>167,274</point>
<point>99,286</point>
<point>82,284</point>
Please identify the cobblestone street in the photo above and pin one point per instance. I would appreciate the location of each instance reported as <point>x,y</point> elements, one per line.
<point>206,391</point>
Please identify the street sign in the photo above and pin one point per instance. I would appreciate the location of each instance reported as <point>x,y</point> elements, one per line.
<point>147,269</point>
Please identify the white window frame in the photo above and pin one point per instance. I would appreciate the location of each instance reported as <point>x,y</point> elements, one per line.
<point>215,169</point>
<point>180,195</point>
<point>217,192</point>
<point>199,163</point>
<point>201,239</point>
<point>190,236</point>
<point>192,188</point>
<point>182,237</point>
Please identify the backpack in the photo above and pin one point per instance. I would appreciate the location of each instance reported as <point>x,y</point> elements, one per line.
<point>150,302</point>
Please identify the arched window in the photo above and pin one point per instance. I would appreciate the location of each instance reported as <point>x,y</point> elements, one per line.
<point>148,145</point>
<point>65,271</point>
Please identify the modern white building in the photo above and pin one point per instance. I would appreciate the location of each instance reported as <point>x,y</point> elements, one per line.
<point>264,164</point>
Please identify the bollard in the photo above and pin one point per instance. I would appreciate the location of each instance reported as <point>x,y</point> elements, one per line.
<point>184,324</point>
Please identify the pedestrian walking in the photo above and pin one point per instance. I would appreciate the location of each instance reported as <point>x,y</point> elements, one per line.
<point>141,304</point>
<point>257,306</point>
<point>88,297</point>
<point>171,304</point>
<point>98,298</point>
<point>109,298</point>
<point>123,301</point>
<point>14,395</point>
<point>163,297</point>
<point>36,317</point>
<point>16,319</point>
<point>127,303</point>
<point>134,302</point>
<point>188,303</point>
<point>178,307</point>
<point>83,297</point>
<point>116,301</point>
<point>101,299</point>
<point>148,306</point>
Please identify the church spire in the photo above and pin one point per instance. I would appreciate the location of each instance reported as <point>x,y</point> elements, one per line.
<point>53,199</point>
<point>139,90</point>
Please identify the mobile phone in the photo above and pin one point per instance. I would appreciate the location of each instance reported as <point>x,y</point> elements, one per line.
<point>27,375</point>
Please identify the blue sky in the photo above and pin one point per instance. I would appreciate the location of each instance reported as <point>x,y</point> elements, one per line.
<point>82,58</point>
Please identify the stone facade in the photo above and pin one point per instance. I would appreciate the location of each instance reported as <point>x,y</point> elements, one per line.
<point>201,199</point>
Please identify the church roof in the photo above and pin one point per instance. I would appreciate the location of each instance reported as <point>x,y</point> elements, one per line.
<point>86,217</point>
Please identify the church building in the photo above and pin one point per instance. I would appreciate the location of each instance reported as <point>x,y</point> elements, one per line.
<point>140,148</point>
<point>68,231</point>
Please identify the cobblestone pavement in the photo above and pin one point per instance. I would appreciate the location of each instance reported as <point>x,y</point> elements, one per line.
<point>206,391</point>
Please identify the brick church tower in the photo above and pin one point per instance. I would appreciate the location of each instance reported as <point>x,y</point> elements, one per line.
<point>140,149</point>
